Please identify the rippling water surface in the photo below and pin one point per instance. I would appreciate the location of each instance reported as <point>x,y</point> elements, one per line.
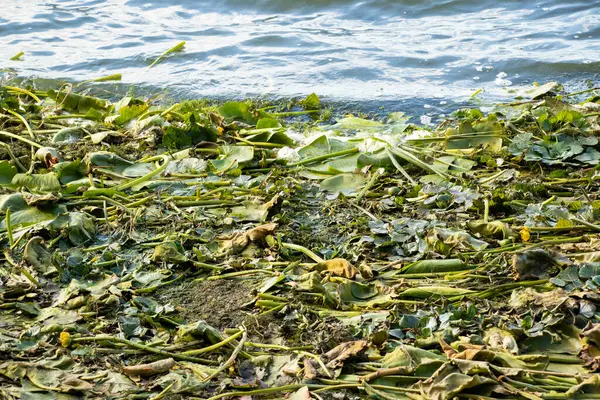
<point>347,50</point>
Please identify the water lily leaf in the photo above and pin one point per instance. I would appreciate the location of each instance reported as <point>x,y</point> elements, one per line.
<point>53,315</point>
<point>590,156</point>
<point>588,385</point>
<point>138,169</point>
<point>237,110</point>
<point>337,267</point>
<point>131,325</point>
<point>301,394</point>
<point>80,227</point>
<point>425,292</point>
<point>322,146</point>
<point>98,137</point>
<point>251,211</point>
<point>51,377</point>
<point>23,214</point>
<point>147,305</point>
<point>589,270</point>
<point>185,381</point>
<point>231,157</point>
<point>429,266</point>
<point>568,278</point>
<point>188,165</point>
<point>69,135</point>
<point>448,381</point>
<point>344,183</point>
<point>176,138</point>
<point>494,229</point>
<point>128,113</point>
<point>267,123</point>
<point>94,114</point>
<point>410,357</point>
<point>357,123</point>
<point>150,369</point>
<point>37,182</point>
<point>380,159</point>
<point>36,253</point>
<point>169,252</point>
<point>540,91</point>
<point>199,330</point>
<point>278,137</point>
<point>106,160</point>
<point>335,357</point>
<point>7,172</point>
<point>311,102</point>
<point>354,291</point>
<point>75,102</point>
<point>68,172</point>
<point>539,264</point>
<point>486,134</point>
<point>30,309</point>
<point>116,383</point>
<point>337,165</point>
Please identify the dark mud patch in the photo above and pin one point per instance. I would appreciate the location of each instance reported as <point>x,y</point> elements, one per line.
<point>220,302</point>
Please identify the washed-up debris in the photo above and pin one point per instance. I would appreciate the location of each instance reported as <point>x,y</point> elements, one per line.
<point>197,250</point>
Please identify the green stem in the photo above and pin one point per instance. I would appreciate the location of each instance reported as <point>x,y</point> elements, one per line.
<point>139,346</point>
<point>11,241</point>
<point>22,139</point>
<point>323,157</point>
<point>303,250</point>
<point>214,346</point>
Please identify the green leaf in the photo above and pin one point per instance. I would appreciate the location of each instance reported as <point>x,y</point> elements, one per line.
<point>345,183</point>
<point>7,172</point>
<point>23,214</point>
<point>128,113</point>
<point>486,134</point>
<point>322,146</point>
<point>36,253</point>
<point>231,157</point>
<point>37,182</point>
<point>356,123</point>
<point>137,170</point>
<point>80,227</point>
<point>75,102</point>
<point>311,102</point>
<point>106,160</point>
<point>68,172</point>
<point>428,266</point>
<point>425,292</point>
<point>68,135</point>
<point>169,252</point>
<point>540,91</point>
<point>278,137</point>
<point>237,110</point>
<point>264,123</point>
<point>590,156</point>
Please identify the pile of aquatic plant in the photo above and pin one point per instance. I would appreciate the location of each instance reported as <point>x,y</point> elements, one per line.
<point>198,250</point>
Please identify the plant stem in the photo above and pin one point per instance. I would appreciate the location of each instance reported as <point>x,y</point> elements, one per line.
<point>139,346</point>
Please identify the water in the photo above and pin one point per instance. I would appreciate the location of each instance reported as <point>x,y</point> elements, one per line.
<point>371,50</point>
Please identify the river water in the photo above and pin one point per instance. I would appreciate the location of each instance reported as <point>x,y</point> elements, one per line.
<point>371,50</point>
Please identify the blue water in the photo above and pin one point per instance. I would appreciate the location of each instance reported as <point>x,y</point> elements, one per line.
<point>371,50</point>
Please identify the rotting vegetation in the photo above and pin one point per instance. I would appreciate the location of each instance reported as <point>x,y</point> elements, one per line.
<point>203,251</point>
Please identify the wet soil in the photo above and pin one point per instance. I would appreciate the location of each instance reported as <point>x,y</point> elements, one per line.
<point>218,302</point>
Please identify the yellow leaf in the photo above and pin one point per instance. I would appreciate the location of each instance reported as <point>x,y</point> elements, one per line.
<point>564,223</point>
<point>337,267</point>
